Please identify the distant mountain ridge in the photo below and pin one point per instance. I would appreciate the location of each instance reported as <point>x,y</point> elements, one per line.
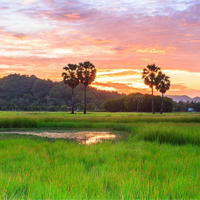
<point>183,98</point>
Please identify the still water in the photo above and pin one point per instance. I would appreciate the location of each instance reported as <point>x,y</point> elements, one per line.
<point>83,137</point>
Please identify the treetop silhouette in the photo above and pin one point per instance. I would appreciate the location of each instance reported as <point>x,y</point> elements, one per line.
<point>74,74</point>
<point>163,84</point>
<point>86,75</point>
<point>149,75</point>
<point>71,79</point>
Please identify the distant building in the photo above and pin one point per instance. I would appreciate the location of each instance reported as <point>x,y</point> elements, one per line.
<point>190,110</point>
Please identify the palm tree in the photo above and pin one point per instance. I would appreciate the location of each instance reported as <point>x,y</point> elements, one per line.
<point>149,75</point>
<point>70,78</point>
<point>163,84</point>
<point>86,75</point>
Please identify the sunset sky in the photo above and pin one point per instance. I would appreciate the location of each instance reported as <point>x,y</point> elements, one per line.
<point>120,37</point>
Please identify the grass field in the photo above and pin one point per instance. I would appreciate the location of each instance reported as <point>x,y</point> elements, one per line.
<point>157,157</point>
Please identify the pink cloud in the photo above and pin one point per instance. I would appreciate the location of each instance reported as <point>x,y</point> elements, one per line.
<point>14,35</point>
<point>122,37</point>
<point>73,16</point>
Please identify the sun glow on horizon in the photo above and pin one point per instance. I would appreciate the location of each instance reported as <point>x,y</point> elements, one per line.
<point>42,41</point>
<point>106,88</point>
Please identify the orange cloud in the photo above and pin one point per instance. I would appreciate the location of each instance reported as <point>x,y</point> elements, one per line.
<point>151,50</point>
<point>73,16</point>
<point>118,87</point>
<point>147,50</point>
<point>146,59</point>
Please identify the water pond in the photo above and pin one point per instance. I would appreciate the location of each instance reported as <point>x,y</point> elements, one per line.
<point>83,137</point>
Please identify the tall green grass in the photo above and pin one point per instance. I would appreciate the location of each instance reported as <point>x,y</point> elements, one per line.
<point>175,135</point>
<point>33,168</point>
<point>87,121</point>
<point>158,156</point>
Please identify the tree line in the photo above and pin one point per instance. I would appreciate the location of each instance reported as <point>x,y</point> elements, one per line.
<point>138,103</point>
<point>182,106</point>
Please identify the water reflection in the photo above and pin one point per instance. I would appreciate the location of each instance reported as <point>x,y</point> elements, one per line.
<point>83,137</point>
<point>98,138</point>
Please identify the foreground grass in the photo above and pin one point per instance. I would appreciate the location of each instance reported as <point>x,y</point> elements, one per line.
<point>157,157</point>
<point>33,168</point>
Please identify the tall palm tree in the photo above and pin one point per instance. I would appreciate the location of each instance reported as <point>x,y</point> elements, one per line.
<point>86,75</point>
<point>163,84</point>
<point>70,78</point>
<point>149,75</point>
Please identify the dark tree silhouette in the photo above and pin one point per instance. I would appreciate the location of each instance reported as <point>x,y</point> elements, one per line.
<point>133,101</point>
<point>139,99</point>
<point>70,78</point>
<point>149,75</point>
<point>163,84</point>
<point>86,75</point>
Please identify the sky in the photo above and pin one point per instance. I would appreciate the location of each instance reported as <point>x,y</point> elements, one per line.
<point>120,37</point>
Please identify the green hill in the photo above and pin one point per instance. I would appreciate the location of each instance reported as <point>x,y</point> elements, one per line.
<point>29,93</point>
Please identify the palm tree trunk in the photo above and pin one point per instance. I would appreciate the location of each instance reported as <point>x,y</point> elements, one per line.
<point>152,102</point>
<point>72,101</point>
<point>85,101</point>
<point>161,111</point>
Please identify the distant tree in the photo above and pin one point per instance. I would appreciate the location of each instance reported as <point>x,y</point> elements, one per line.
<point>91,106</point>
<point>163,84</point>
<point>168,104</point>
<point>115,105</point>
<point>86,75</point>
<point>63,108</point>
<point>149,75</point>
<point>101,107</point>
<point>133,101</point>
<point>41,88</point>
<point>50,108</point>
<point>130,103</point>
<point>70,78</point>
<point>81,107</point>
<point>138,97</point>
<point>28,96</point>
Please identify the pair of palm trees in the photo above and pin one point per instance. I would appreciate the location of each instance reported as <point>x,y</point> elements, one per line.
<point>74,74</point>
<point>153,76</point>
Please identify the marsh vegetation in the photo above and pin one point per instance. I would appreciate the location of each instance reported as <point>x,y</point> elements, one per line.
<point>158,156</point>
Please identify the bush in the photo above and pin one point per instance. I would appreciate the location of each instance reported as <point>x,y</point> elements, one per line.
<point>52,108</point>
<point>63,108</point>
